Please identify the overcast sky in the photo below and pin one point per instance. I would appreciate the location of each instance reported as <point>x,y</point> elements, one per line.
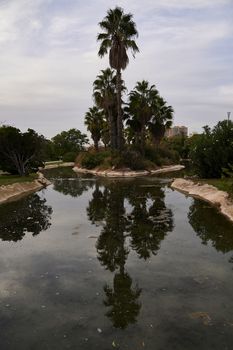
<point>48,59</point>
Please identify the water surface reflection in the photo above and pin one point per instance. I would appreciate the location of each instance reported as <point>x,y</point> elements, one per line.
<point>126,264</point>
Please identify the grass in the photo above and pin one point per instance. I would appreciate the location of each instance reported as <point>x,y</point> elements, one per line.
<point>11,179</point>
<point>224,184</point>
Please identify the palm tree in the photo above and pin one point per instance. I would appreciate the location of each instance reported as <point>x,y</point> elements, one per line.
<point>119,31</point>
<point>161,120</point>
<point>139,111</point>
<point>104,94</point>
<point>94,120</point>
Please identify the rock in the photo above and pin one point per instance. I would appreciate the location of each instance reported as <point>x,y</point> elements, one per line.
<point>127,173</point>
<point>208,193</point>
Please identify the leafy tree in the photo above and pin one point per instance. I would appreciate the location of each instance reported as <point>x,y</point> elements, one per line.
<point>119,31</point>
<point>213,150</point>
<point>94,120</point>
<point>20,153</point>
<point>69,141</point>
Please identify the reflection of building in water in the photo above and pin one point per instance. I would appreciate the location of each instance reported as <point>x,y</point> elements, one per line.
<point>177,131</point>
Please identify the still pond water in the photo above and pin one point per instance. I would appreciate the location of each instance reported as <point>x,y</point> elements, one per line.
<point>127,264</point>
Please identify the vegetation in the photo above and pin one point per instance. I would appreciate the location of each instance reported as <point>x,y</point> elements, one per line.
<point>10,179</point>
<point>94,121</point>
<point>119,31</point>
<point>212,151</point>
<point>131,129</point>
<point>69,141</point>
<point>20,153</point>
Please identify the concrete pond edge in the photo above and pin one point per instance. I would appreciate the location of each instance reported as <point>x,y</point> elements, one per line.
<point>127,173</point>
<point>18,190</point>
<point>208,193</point>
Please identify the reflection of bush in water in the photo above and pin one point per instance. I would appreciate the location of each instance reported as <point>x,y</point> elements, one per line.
<point>72,187</point>
<point>27,215</point>
<point>211,226</point>
<point>62,173</point>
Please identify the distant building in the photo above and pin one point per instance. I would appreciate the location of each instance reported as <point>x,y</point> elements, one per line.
<point>177,131</point>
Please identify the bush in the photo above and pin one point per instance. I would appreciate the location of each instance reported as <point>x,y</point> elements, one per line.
<point>91,160</point>
<point>213,150</point>
<point>129,159</point>
<point>161,155</point>
<point>69,157</point>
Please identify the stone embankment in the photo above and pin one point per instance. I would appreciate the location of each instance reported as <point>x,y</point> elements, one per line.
<point>57,165</point>
<point>17,190</point>
<point>128,172</point>
<point>208,193</point>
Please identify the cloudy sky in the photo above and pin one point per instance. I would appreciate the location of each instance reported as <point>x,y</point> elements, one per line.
<point>48,59</point>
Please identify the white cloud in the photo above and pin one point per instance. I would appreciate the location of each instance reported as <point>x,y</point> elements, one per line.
<point>49,59</point>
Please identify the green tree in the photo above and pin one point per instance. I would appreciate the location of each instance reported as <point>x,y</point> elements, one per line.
<point>20,153</point>
<point>213,150</point>
<point>119,31</point>
<point>94,120</point>
<point>69,141</point>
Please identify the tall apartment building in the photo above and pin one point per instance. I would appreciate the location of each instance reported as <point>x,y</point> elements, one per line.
<point>177,131</point>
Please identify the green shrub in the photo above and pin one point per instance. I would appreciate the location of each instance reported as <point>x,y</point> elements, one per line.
<point>91,160</point>
<point>69,157</point>
<point>213,150</point>
<point>129,159</point>
<point>161,155</point>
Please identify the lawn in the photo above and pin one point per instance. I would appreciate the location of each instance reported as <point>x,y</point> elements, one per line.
<point>225,184</point>
<point>10,179</point>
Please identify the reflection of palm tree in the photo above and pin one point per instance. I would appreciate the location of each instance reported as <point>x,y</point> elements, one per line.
<point>218,233</point>
<point>111,242</point>
<point>122,300</point>
<point>144,222</point>
<point>97,206</point>
<point>31,214</point>
<point>150,220</point>
<point>112,254</point>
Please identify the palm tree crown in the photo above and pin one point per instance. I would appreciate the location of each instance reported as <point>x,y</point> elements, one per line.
<point>118,36</point>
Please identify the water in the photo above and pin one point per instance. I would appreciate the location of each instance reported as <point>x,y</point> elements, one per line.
<point>104,264</point>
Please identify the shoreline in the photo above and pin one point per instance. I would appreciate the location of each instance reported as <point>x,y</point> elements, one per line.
<point>18,190</point>
<point>206,192</point>
<point>128,173</point>
<point>57,165</point>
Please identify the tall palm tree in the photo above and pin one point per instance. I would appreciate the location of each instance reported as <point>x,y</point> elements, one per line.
<point>104,94</point>
<point>94,120</point>
<point>119,31</point>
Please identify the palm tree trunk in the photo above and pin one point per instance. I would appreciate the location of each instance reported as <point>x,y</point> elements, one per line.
<point>96,144</point>
<point>112,129</point>
<point>143,131</point>
<point>119,112</point>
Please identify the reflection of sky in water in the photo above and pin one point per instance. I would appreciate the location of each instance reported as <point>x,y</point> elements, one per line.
<point>55,293</point>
